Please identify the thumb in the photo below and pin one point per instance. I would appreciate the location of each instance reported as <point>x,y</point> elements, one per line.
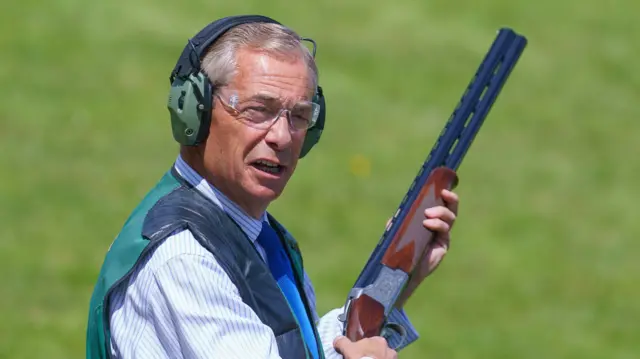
<point>342,344</point>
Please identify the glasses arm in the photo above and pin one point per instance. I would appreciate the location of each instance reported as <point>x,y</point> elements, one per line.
<point>313,43</point>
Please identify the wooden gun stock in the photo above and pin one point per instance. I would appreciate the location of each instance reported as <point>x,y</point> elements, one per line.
<point>408,246</point>
<point>365,319</point>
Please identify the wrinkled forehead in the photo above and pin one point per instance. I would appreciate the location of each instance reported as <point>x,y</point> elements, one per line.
<point>272,77</point>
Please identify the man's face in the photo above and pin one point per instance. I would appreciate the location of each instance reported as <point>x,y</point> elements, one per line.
<point>235,152</point>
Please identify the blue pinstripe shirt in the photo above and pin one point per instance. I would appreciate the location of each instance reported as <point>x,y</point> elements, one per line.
<point>181,304</point>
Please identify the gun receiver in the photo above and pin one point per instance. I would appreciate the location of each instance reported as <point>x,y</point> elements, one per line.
<point>392,264</point>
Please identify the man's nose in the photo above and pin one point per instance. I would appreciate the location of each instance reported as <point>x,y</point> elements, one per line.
<point>279,134</point>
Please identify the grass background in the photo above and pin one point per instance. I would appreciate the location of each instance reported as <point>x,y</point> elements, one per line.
<point>543,263</point>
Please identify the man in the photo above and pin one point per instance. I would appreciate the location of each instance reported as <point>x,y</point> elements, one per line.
<point>200,269</point>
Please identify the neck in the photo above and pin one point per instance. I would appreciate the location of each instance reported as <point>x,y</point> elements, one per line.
<point>193,157</point>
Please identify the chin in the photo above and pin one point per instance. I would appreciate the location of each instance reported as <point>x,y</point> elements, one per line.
<point>266,193</point>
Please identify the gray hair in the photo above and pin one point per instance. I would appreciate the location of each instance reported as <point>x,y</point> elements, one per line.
<point>219,64</point>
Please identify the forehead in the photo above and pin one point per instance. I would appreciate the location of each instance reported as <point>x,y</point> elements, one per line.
<point>274,76</point>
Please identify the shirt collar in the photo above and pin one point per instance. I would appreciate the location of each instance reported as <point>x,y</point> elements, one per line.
<point>249,225</point>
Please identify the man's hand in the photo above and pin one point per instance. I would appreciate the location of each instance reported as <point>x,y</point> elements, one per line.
<point>374,347</point>
<point>440,220</point>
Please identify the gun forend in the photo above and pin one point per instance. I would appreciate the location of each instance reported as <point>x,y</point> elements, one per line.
<point>368,307</point>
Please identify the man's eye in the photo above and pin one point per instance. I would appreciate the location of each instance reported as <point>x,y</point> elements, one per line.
<point>302,112</point>
<point>255,109</point>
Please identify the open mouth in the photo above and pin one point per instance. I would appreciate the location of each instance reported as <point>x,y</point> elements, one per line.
<point>268,167</point>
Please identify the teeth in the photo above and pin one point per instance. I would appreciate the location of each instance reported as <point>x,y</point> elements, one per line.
<point>267,163</point>
<point>270,169</point>
<point>268,166</point>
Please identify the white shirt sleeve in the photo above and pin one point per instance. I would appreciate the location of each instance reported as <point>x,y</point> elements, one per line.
<point>329,328</point>
<point>180,303</point>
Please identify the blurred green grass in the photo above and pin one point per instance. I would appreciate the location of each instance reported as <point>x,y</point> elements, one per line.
<point>543,260</point>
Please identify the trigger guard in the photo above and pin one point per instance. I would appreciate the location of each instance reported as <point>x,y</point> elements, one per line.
<point>387,332</point>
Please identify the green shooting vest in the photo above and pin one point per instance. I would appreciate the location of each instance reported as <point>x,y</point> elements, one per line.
<point>174,204</point>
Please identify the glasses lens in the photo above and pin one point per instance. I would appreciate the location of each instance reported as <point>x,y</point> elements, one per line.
<point>261,113</point>
<point>304,115</point>
<point>301,115</point>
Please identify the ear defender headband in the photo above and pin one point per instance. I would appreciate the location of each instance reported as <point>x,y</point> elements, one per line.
<point>190,98</point>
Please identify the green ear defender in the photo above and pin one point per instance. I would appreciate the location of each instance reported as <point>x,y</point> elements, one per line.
<point>189,104</point>
<point>190,96</point>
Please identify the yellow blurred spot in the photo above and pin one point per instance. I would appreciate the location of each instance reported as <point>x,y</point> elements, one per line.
<point>360,166</point>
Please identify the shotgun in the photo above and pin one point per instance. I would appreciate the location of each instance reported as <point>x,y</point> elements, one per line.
<point>383,280</point>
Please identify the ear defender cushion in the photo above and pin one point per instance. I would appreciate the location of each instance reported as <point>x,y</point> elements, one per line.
<point>313,134</point>
<point>189,105</point>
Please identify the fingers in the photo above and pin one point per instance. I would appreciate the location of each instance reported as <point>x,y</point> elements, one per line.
<point>436,225</point>
<point>374,347</point>
<point>441,218</point>
<point>440,212</point>
<point>434,256</point>
<point>431,262</point>
<point>451,200</point>
<point>438,252</point>
<point>379,341</point>
<point>342,344</point>
<point>378,347</point>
